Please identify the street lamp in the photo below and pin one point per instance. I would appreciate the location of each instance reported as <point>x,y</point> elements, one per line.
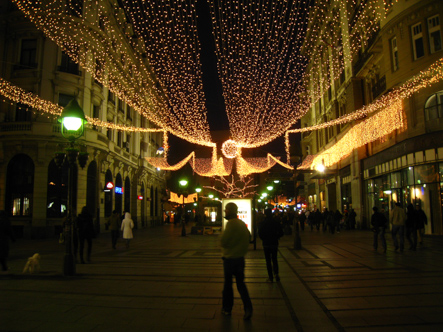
<point>72,122</point>
<point>183,185</point>
<point>198,190</point>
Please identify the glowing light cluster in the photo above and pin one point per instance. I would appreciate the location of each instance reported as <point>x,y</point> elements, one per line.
<point>423,80</point>
<point>179,199</point>
<point>369,130</point>
<point>233,187</point>
<point>171,99</point>
<point>230,149</point>
<point>220,166</point>
<point>147,53</point>
<point>21,96</point>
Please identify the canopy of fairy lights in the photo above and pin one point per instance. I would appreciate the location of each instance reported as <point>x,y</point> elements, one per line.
<point>148,54</point>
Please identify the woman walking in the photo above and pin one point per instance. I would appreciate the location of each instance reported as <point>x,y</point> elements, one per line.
<point>127,226</point>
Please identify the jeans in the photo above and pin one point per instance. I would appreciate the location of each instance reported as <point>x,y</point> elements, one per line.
<point>380,232</point>
<point>235,267</point>
<point>114,236</point>
<point>401,232</point>
<point>411,231</point>
<point>271,260</point>
<point>82,245</point>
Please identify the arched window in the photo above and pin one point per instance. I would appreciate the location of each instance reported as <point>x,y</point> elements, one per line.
<point>91,187</point>
<point>127,194</point>
<point>434,106</point>
<point>118,193</point>
<point>20,186</point>
<point>143,205</point>
<point>57,195</point>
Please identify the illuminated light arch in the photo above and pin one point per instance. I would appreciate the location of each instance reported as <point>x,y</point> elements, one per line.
<point>149,57</point>
<point>258,68</point>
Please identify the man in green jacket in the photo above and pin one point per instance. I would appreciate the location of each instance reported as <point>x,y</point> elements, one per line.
<point>397,219</point>
<point>235,242</point>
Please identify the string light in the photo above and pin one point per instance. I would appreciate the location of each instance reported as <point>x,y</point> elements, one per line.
<point>367,131</point>
<point>424,79</point>
<point>241,187</point>
<point>148,56</point>
<point>21,96</point>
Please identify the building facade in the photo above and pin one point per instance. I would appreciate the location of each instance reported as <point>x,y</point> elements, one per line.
<point>33,189</point>
<point>405,165</point>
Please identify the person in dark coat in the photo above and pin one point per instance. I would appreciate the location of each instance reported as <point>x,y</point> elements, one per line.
<point>86,232</point>
<point>422,221</point>
<point>351,219</point>
<point>411,226</point>
<point>114,226</point>
<point>337,219</point>
<point>269,232</point>
<point>379,224</point>
<point>302,219</point>
<point>6,234</point>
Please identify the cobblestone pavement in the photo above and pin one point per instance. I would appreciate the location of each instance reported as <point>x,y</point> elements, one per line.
<point>166,282</point>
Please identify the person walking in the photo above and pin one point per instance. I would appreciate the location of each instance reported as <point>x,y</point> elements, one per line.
<point>235,242</point>
<point>302,219</point>
<point>422,221</point>
<point>379,223</point>
<point>337,219</point>
<point>411,226</point>
<point>269,232</point>
<point>6,234</point>
<point>351,219</point>
<point>114,226</point>
<point>86,232</point>
<point>397,219</point>
<point>127,226</point>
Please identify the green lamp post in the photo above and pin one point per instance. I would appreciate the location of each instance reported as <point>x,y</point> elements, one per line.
<point>72,121</point>
<point>183,185</point>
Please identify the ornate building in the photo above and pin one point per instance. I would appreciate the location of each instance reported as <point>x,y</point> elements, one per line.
<point>383,47</point>
<point>33,190</point>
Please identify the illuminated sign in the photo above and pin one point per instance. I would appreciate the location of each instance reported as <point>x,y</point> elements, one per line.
<point>118,190</point>
<point>108,187</point>
<point>244,206</point>
<point>140,197</point>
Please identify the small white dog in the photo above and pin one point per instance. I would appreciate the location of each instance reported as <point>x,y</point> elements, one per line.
<point>33,264</point>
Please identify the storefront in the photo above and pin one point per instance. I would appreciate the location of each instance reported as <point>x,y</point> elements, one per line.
<point>410,178</point>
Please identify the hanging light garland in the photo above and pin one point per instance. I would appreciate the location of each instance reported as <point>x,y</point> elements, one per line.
<point>147,53</point>
<point>367,131</point>
<point>424,79</point>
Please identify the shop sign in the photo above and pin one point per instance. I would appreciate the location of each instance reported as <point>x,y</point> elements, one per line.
<point>108,187</point>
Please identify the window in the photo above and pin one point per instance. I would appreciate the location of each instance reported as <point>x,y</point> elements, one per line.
<point>417,41</point>
<point>20,185</point>
<point>434,34</point>
<point>63,99</point>
<point>120,139</point>
<point>95,114</point>
<point>22,114</point>
<point>111,97</point>
<point>28,53</point>
<point>68,66</point>
<point>57,192</point>
<point>434,107</point>
<point>394,54</point>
